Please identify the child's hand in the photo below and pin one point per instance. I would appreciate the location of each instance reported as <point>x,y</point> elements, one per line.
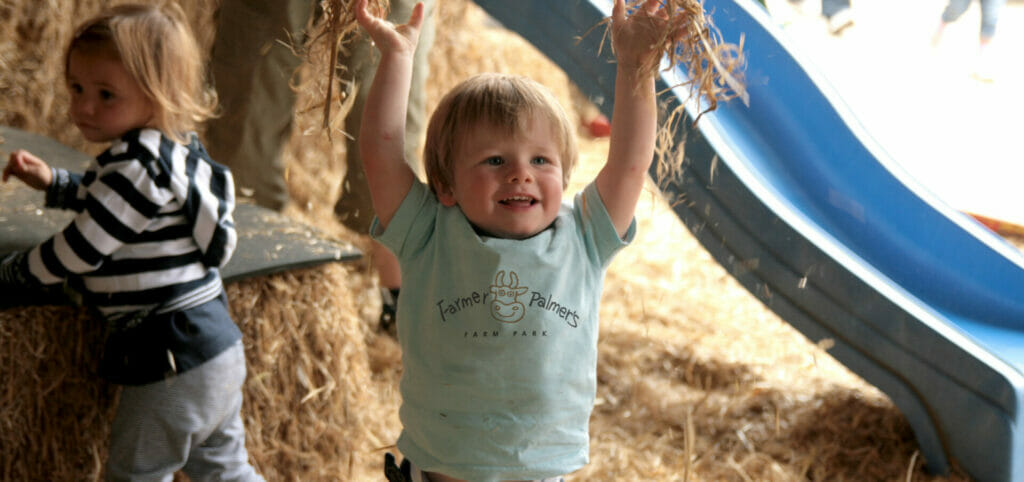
<point>32,170</point>
<point>387,36</point>
<point>638,37</point>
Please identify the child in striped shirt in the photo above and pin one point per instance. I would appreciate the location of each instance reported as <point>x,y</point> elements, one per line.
<point>153,227</point>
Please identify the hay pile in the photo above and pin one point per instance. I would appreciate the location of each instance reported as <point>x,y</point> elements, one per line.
<point>54,412</point>
<point>309,379</point>
<point>697,380</point>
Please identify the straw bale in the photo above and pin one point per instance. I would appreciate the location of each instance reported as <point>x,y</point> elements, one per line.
<point>54,411</point>
<point>318,402</point>
<point>313,409</point>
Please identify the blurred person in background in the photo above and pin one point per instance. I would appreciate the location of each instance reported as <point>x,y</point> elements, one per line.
<point>836,12</point>
<point>989,18</point>
<point>253,64</point>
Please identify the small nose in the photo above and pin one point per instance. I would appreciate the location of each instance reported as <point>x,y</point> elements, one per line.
<point>519,173</point>
<point>83,107</point>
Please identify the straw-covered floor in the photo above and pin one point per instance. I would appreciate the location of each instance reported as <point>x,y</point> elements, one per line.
<point>697,380</point>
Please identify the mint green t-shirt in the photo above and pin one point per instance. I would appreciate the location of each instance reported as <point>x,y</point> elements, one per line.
<point>499,338</point>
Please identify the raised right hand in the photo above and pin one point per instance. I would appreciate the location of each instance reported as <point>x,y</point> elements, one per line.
<point>387,36</point>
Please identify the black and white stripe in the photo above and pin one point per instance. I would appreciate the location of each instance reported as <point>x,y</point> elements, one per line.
<point>154,225</point>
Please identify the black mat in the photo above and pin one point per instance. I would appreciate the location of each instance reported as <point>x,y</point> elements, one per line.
<point>268,242</point>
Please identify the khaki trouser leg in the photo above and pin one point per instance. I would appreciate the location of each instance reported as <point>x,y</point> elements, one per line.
<point>354,207</point>
<point>251,71</point>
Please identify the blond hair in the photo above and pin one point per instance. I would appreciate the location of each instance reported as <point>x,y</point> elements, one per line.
<point>499,100</point>
<point>157,48</point>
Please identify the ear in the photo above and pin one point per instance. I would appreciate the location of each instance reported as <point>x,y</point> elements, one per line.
<point>446,196</point>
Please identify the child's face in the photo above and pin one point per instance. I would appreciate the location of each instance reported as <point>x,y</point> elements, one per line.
<point>106,101</point>
<point>508,186</point>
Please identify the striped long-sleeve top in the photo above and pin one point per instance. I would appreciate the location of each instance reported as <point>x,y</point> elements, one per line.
<point>154,225</point>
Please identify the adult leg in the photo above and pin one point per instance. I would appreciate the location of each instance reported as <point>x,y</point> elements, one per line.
<point>989,18</point>
<point>986,68</point>
<point>354,207</point>
<point>831,7</point>
<point>252,68</point>
<point>838,15</point>
<point>954,9</point>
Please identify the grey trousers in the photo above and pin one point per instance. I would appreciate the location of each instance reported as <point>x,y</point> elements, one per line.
<point>191,422</point>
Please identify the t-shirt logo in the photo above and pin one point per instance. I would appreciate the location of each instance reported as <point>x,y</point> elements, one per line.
<point>505,306</point>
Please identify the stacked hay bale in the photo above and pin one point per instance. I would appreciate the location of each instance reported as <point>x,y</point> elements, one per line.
<point>55,413</point>
<point>311,406</point>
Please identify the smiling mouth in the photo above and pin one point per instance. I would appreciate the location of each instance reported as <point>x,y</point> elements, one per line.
<point>518,201</point>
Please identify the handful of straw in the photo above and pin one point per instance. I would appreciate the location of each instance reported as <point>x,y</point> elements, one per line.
<point>715,73</point>
<point>690,40</point>
<point>334,30</point>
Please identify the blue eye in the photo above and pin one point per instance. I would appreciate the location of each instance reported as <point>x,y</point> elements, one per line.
<point>494,161</point>
<point>539,160</point>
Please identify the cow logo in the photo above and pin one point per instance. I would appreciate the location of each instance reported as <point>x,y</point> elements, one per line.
<point>505,306</point>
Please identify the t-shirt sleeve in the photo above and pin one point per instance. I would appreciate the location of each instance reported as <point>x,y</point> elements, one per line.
<point>597,227</point>
<point>406,225</point>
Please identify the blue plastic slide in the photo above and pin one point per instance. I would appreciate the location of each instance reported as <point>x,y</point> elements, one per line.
<point>793,198</point>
